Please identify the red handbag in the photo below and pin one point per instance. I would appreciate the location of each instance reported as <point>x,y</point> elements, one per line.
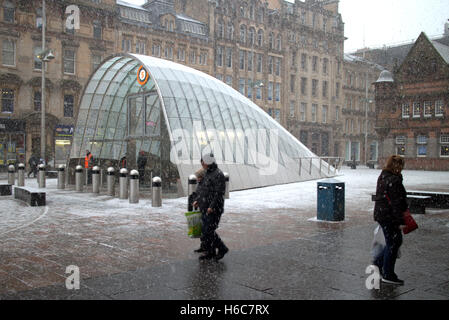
<point>410,223</point>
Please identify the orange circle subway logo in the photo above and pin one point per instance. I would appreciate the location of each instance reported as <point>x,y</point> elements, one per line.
<point>142,76</point>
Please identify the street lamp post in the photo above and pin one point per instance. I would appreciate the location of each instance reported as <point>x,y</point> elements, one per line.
<point>43,140</point>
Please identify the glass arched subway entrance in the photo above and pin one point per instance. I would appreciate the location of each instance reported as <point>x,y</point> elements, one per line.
<point>177,114</point>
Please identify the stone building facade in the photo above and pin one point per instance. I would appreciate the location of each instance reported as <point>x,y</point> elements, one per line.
<point>286,57</point>
<point>412,107</point>
<point>77,54</point>
<point>359,111</point>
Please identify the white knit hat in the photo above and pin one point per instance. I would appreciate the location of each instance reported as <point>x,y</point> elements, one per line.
<point>208,158</point>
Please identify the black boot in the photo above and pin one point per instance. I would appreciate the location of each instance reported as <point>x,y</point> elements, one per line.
<point>221,253</point>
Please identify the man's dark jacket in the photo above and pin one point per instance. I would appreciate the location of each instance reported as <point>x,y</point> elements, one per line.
<point>391,199</point>
<point>212,190</point>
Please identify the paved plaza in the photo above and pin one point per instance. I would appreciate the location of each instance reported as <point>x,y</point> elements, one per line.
<point>277,250</point>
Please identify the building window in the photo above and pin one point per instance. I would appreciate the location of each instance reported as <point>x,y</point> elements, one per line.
<point>37,100</point>
<point>230,31</point>
<point>252,36</point>
<point>292,109</point>
<point>96,61</point>
<point>203,58</point>
<point>242,60</point>
<point>278,66</point>
<point>69,61</point>
<point>37,65</point>
<point>260,38</point>
<point>229,57</point>
<point>250,89</point>
<point>259,62</point>
<point>156,50</point>
<point>278,92</point>
<point>243,33</point>
<point>270,91</point>
<point>250,61</point>
<point>9,53</point>
<point>304,61</point>
<point>427,109</point>
<point>68,106</point>
<point>169,52</point>
<point>220,29</point>
<point>421,142</point>
<point>314,112</point>
<point>325,86</point>
<point>126,45</point>
<point>270,65</point>
<point>271,40</point>
<point>39,18</point>
<point>242,86</point>
<point>258,92</point>
<point>314,88</point>
<point>279,42</point>
<point>444,141</point>
<point>325,63</point>
<point>303,112</point>
<point>337,90</point>
<point>277,115</point>
<point>439,111</point>
<point>292,83</point>
<point>7,100</point>
<point>181,55</point>
<point>416,109</point>
<point>337,113</point>
<point>315,64</point>
<point>324,114</point>
<point>405,110</point>
<point>98,30</point>
<point>141,47</point>
<point>192,57</point>
<point>8,11</point>
<point>304,86</point>
<point>229,80</point>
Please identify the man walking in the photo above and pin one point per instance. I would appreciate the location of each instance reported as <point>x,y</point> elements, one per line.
<point>88,165</point>
<point>211,203</point>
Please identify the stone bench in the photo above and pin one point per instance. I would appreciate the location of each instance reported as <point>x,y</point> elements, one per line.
<point>417,204</point>
<point>439,200</point>
<point>5,190</point>
<point>31,196</point>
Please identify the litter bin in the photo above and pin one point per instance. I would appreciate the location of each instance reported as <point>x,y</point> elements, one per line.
<point>331,200</point>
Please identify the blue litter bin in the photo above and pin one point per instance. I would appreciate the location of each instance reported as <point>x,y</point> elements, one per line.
<point>331,200</point>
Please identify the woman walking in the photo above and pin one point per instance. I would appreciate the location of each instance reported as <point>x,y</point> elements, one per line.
<point>391,203</point>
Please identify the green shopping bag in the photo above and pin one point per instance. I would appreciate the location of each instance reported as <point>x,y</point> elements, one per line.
<point>194,224</point>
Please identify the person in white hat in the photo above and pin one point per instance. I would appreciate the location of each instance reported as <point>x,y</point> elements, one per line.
<point>211,204</point>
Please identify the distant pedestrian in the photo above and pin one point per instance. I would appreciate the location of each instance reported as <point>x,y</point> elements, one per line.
<point>141,163</point>
<point>194,200</point>
<point>88,165</point>
<point>389,208</point>
<point>33,162</point>
<point>123,162</point>
<point>211,204</point>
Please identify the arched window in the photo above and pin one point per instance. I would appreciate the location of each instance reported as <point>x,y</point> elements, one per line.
<point>252,36</point>
<point>243,33</point>
<point>260,38</point>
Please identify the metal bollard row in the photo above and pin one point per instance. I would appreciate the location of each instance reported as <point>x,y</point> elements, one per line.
<point>79,178</point>
<point>111,181</point>
<point>134,186</point>
<point>192,184</point>
<point>226,175</point>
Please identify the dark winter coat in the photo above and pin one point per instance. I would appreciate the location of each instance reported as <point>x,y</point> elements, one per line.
<point>195,195</point>
<point>210,192</point>
<point>391,199</point>
<point>141,162</point>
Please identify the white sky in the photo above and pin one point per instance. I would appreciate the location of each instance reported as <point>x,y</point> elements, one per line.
<point>387,22</point>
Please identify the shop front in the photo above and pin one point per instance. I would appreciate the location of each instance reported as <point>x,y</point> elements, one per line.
<point>12,142</point>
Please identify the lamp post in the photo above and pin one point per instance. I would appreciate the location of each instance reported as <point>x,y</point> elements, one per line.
<point>44,56</point>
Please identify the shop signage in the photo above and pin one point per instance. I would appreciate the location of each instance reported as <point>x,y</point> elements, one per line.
<point>63,131</point>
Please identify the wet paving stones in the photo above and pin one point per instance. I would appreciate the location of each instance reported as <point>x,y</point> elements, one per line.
<point>137,252</point>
